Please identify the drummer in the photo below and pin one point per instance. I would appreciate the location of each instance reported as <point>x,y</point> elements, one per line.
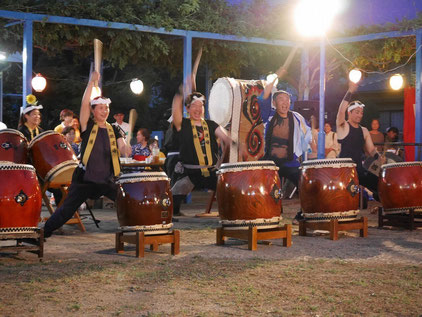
<point>355,139</point>
<point>198,147</point>
<point>30,119</point>
<point>101,143</point>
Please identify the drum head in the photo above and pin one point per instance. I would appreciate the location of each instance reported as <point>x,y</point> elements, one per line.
<point>249,165</point>
<point>142,177</point>
<point>220,102</point>
<point>12,131</point>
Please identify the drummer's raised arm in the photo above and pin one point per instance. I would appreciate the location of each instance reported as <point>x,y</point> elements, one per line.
<point>85,104</point>
<point>341,114</point>
<point>177,109</point>
<point>269,86</point>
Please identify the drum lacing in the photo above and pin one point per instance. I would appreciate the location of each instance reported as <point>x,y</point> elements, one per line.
<point>328,162</point>
<point>152,229</point>
<point>141,178</point>
<point>401,164</point>
<point>19,230</point>
<point>15,167</point>
<point>260,222</point>
<point>401,210</point>
<point>321,216</point>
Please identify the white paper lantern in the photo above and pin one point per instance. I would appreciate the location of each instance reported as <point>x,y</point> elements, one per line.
<point>137,86</point>
<point>38,83</point>
<point>355,75</point>
<point>396,81</point>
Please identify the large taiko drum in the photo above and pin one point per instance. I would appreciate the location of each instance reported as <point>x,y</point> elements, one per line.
<point>249,194</point>
<point>53,158</point>
<point>144,202</point>
<point>13,146</point>
<point>20,197</point>
<point>233,104</point>
<point>400,186</point>
<point>329,189</point>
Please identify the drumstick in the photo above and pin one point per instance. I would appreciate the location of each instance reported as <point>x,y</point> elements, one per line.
<point>98,49</point>
<point>133,115</point>
<point>288,61</point>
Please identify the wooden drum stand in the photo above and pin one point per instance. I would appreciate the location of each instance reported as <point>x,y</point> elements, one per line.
<point>334,226</point>
<point>404,219</point>
<point>32,241</point>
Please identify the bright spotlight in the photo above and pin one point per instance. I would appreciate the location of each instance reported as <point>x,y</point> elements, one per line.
<point>314,17</point>
<point>3,56</point>
<point>137,86</point>
<point>396,81</point>
<point>271,77</point>
<point>96,92</point>
<point>355,75</point>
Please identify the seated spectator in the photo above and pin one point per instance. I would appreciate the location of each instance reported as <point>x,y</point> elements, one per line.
<point>66,117</point>
<point>153,144</point>
<point>332,147</point>
<point>69,133</point>
<point>376,135</point>
<point>141,150</point>
<point>77,127</point>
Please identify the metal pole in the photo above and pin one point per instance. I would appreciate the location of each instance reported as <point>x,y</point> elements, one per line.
<point>418,97</point>
<point>27,60</point>
<point>1,96</point>
<point>187,62</point>
<point>305,72</point>
<point>321,134</point>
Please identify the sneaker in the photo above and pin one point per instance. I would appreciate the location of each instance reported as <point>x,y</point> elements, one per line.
<point>297,218</point>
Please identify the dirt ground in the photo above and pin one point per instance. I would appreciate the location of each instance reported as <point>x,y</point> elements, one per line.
<point>82,275</point>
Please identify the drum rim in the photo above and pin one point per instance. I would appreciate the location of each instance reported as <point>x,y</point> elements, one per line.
<point>401,164</point>
<point>226,81</point>
<point>42,135</point>
<point>14,132</point>
<point>142,176</point>
<point>16,166</point>
<point>343,162</point>
<point>247,163</point>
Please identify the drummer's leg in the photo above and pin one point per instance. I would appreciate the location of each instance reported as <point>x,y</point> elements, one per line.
<point>77,194</point>
<point>180,189</point>
<point>369,181</point>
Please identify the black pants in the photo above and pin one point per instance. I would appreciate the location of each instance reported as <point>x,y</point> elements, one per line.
<point>369,181</point>
<point>78,193</point>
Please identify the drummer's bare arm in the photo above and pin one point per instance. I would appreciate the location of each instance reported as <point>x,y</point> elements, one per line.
<point>223,135</point>
<point>341,114</point>
<point>85,105</point>
<point>124,148</point>
<point>269,86</point>
<point>369,146</point>
<point>177,110</point>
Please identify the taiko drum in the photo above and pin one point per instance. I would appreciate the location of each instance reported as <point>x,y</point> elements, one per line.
<point>400,186</point>
<point>13,146</point>
<point>144,199</point>
<point>53,158</point>
<point>248,191</point>
<point>329,189</point>
<point>20,196</point>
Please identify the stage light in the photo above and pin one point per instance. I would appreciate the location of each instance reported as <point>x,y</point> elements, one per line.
<point>137,86</point>
<point>396,81</point>
<point>3,56</point>
<point>38,83</point>
<point>355,75</point>
<point>96,92</point>
<point>271,77</point>
<point>313,18</point>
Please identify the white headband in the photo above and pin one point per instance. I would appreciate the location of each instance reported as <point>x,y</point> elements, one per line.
<point>195,98</point>
<point>30,108</point>
<point>355,104</point>
<point>100,101</point>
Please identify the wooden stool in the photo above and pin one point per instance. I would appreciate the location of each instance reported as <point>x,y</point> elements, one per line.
<point>334,226</point>
<point>140,240</point>
<point>34,239</point>
<point>76,220</point>
<point>253,234</point>
<point>403,220</point>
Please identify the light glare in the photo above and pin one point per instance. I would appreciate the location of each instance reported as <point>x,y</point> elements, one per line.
<point>137,86</point>
<point>96,92</point>
<point>396,81</point>
<point>38,83</point>
<point>271,77</point>
<point>355,75</point>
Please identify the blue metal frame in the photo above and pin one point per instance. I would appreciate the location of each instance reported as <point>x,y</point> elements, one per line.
<point>29,18</point>
<point>321,134</point>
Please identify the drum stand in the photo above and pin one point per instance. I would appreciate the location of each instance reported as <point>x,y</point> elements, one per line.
<point>25,241</point>
<point>334,226</point>
<point>140,240</point>
<point>253,234</point>
<point>76,218</point>
<point>400,219</point>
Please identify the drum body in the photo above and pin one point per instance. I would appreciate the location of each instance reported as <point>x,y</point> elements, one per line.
<point>53,158</point>
<point>329,189</point>
<point>233,104</point>
<point>13,146</point>
<point>249,191</point>
<point>144,199</point>
<point>400,186</point>
<point>20,196</point>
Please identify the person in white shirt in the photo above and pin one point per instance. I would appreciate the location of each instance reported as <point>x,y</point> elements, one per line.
<point>332,147</point>
<point>119,117</point>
